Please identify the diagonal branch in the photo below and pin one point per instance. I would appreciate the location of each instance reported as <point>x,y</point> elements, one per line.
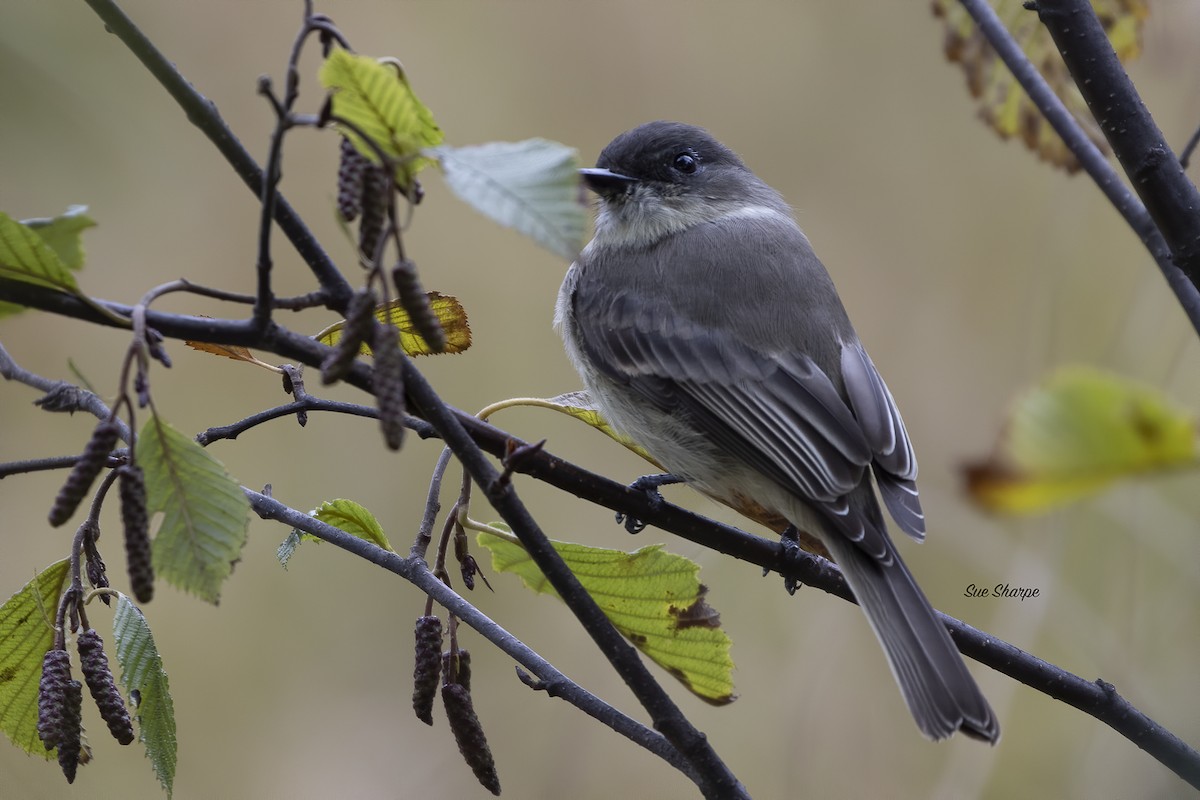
<point>1092,160</point>
<point>1155,173</point>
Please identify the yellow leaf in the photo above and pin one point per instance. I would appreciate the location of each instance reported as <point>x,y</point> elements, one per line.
<point>448,310</point>
<point>654,598</point>
<point>581,406</point>
<point>1075,434</point>
<point>1003,103</point>
<point>236,352</point>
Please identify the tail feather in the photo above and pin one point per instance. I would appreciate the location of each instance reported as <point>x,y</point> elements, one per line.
<point>941,694</point>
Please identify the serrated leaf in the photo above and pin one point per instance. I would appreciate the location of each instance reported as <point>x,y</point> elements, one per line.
<point>654,598</point>
<point>205,513</point>
<point>63,234</point>
<point>143,677</point>
<point>1075,434</point>
<point>287,548</point>
<point>377,99</point>
<point>532,186</point>
<point>25,256</point>
<point>448,309</point>
<point>26,633</point>
<point>1003,103</point>
<point>346,515</point>
<point>354,520</point>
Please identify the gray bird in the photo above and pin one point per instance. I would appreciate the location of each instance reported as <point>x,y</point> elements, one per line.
<point>706,329</point>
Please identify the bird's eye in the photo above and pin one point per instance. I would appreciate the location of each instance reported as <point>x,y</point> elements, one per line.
<point>686,163</point>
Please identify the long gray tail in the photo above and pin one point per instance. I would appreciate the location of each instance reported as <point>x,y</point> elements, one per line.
<point>940,693</point>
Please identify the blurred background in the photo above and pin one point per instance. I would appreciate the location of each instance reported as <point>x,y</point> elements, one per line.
<point>970,270</point>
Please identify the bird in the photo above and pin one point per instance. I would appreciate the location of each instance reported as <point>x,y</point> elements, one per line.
<point>705,328</point>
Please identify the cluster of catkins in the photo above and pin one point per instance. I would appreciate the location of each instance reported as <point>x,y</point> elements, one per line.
<point>452,670</point>
<point>60,701</point>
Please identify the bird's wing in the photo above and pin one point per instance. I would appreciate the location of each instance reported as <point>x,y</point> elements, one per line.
<point>894,463</point>
<point>778,412</point>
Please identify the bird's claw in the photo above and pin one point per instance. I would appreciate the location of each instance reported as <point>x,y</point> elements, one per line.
<point>649,486</point>
<point>790,540</point>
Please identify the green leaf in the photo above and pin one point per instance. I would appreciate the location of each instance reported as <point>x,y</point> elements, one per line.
<point>654,598</point>
<point>143,677</point>
<point>376,98</point>
<point>1076,433</point>
<point>205,512</point>
<point>62,233</point>
<point>26,633</point>
<point>532,186</point>
<point>25,256</point>
<point>287,548</point>
<point>346,515</point>
<point>354,520</point>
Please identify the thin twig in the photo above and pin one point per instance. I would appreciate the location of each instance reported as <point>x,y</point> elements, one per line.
<point>203,113</point>
<point>433,505</point>
<point>306,403</point>
<point>52,462</point>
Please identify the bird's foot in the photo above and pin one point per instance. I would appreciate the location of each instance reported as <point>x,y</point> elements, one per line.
<point>790,539</point>
<point>649,486</point>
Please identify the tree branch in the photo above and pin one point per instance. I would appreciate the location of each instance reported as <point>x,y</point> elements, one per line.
<point>1092,160</point>
<point>769,555</point>
<point>1155,173</point>
<point>416,572</point>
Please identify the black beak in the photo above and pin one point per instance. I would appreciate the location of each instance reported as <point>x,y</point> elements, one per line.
<point>606,182</point>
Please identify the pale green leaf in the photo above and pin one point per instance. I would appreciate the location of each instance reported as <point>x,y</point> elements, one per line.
<point>205,512</point>
<point>26,633</point>
<point>144,678</point>
<point>354,520</point>
<point>532,186</point>
<point>581,406</point>
<point>63,234</point>
<point>654,598</point>
<point>345,515</point>
<point>287,548</point>
<point>1075,434</point>
<point>25,256</point>
<point>376,98</point>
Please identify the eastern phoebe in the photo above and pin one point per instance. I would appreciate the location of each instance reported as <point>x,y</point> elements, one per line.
<point>706,329</point>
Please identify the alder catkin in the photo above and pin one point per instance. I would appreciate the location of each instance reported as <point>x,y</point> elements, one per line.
<point>457,670</point>
<point>93,662</point>
<point>56,675</point>
<point>70,742</point>
<point>84,473</point>
<point>351,167</point>
<point>468,733</point>
<point>415,301</point>
<point>132,485</point>
<point>375,189</point>
<point>389,384</point>
<point>426,666</point>
<point>356,329</point>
